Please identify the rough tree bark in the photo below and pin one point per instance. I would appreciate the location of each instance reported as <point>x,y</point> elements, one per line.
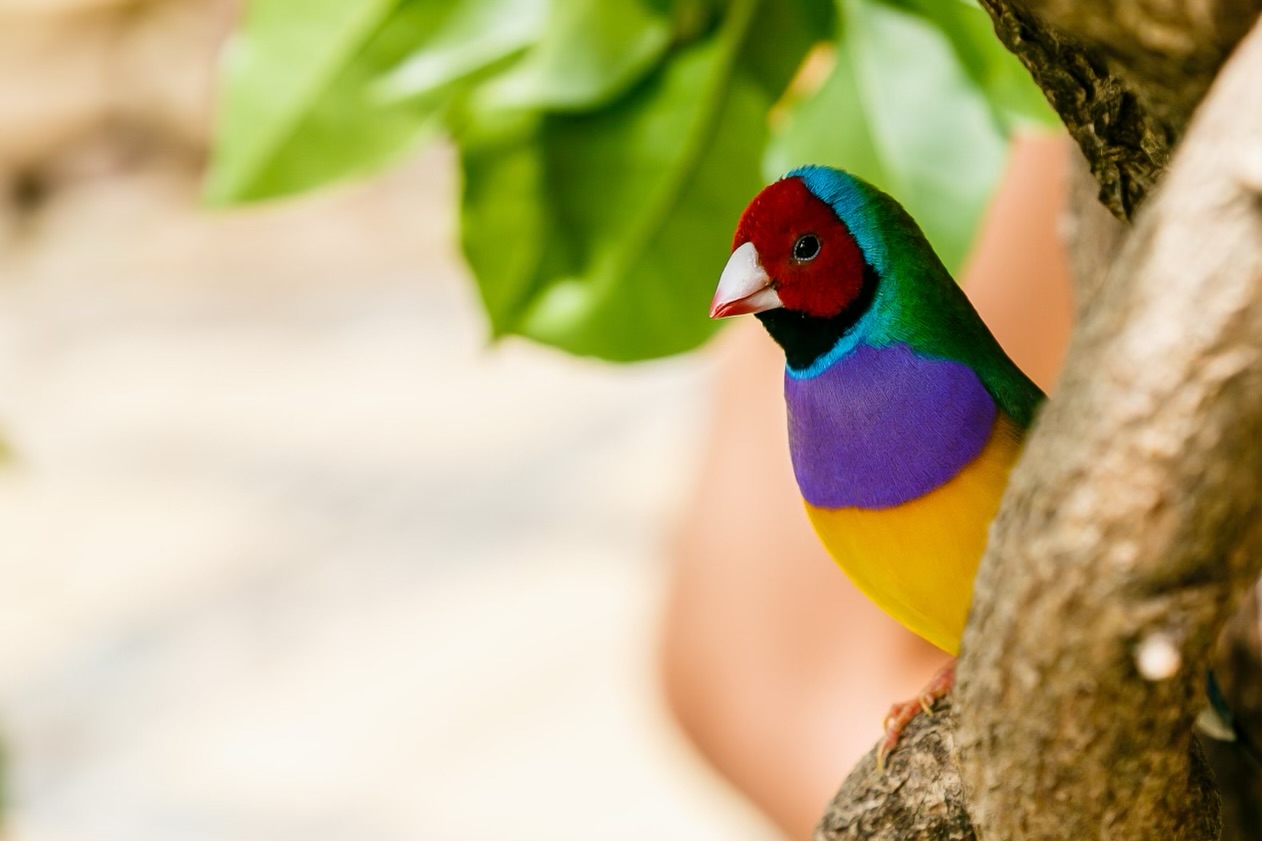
<point>1133,524</point>
<point>1124,75</point>
<point>1168,51</point>
<point>1126,145</point>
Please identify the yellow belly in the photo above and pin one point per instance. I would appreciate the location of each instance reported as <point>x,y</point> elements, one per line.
<point>917,560</point>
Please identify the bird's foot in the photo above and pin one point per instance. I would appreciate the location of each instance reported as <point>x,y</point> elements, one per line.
<point>901,714</point>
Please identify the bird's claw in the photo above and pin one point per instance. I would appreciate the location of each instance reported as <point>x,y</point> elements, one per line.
<point>902,714</point>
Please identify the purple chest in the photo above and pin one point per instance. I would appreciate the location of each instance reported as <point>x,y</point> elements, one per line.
<point>882,426</point>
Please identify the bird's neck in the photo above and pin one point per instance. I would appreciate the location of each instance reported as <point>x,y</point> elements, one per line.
<point>805,338</point>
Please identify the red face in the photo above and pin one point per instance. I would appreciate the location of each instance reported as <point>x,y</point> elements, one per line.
<point>815,266</point>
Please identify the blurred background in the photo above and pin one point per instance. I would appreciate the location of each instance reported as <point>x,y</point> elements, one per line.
<point>292,548</point>
<point>287,551</point>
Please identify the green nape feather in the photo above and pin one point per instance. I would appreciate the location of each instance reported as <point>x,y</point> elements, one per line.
<point>936,319</point>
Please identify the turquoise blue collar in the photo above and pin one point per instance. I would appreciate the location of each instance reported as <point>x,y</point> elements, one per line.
<point>845,346</point>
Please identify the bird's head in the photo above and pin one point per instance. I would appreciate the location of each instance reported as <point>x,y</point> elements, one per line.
<point>790,251</point>
<point>798,267</point>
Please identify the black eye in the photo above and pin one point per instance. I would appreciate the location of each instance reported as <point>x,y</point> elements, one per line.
<point>805,249</point>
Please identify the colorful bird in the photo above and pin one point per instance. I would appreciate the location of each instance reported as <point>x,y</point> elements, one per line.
<point>905,415</point>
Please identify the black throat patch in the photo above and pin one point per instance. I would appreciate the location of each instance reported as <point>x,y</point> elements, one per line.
<point>806,338</point>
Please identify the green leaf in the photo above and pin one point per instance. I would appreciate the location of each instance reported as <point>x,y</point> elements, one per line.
<point>636,201</point>
<point>503,218</point>
<point>282,61</point>
<point>305,100</point>
<point>591,51</point>
<point>782,34</point>
<point>476,35</point>
<point>608,146</point>
<point>1006,83</point>
<point>900,111</point>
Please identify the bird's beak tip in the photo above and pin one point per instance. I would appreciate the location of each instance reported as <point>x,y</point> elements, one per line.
<point>744,287</point>
<point>720,309</point>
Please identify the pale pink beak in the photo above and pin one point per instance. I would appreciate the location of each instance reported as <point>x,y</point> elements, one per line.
<point>744,286</point>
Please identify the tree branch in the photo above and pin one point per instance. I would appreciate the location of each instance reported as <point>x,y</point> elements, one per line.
<point>1132,525</point>
<point>1124,75</point>
<point>1126,146</point>
<point>918,797</point>
<point>1167,50</point>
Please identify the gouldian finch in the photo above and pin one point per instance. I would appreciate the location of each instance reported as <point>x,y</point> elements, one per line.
<point>905,416</point>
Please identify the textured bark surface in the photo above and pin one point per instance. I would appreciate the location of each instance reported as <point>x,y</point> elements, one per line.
<point>918,797</point>
<point>1124,75</point>
<point>1133,525</point>
<point>1168,51</point>
<point>1126,145</point>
